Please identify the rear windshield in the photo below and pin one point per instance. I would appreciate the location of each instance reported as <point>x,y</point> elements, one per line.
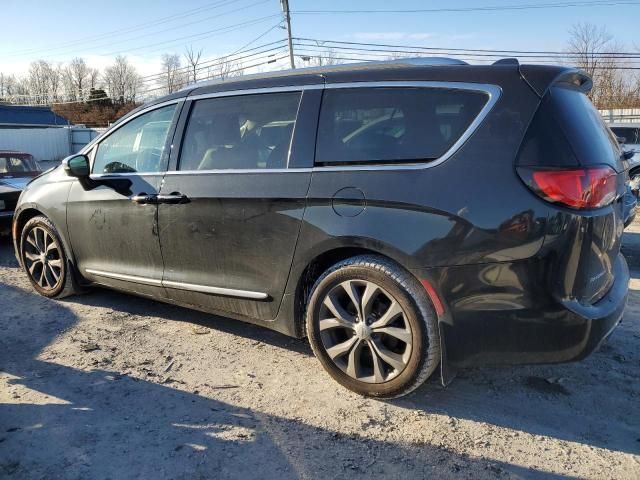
<point>393,125</point>
<point>591,140</point>
<point>631,135</point>
<point>18,165</point>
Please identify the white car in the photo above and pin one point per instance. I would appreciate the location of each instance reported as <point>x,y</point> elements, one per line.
<point>630,132</point>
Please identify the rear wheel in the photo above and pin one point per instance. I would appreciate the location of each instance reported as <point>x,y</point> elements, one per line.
<point>372,327</point>
<point>44,259</point>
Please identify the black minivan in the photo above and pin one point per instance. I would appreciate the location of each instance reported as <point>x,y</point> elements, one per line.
<point>401,215</point>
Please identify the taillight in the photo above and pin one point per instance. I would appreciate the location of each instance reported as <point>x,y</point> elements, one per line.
<point>579,188</point>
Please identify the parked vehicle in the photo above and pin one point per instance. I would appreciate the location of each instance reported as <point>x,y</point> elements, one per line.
<point>16,170</point>
<point>401,215</point>
<point>629,135</point>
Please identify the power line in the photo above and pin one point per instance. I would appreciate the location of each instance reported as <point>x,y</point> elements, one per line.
<point>488,8</point>
<point>415,47</point>
<point>456,52</point>
<point>206,34</point>
<point>153,23</point>
<point>176,27</point>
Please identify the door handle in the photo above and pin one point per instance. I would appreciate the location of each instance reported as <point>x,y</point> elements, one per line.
<point>144,199</point>
<point>172,198</point>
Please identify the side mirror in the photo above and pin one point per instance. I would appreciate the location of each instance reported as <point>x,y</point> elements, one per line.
<point>628,154</point>
<point>77,166</point>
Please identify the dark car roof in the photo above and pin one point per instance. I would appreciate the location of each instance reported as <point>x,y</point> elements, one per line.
<point>15,152</point>
<point>539,77</point>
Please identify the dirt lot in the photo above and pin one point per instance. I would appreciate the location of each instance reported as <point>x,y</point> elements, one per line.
<point>111,386</point>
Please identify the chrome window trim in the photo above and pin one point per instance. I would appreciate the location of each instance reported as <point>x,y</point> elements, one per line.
<point>240,170</point>
<point>253,91</point>
<point>494,92</point>
<point>230,292</point>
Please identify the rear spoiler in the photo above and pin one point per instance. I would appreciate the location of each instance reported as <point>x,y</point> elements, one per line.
<point>542,77</point>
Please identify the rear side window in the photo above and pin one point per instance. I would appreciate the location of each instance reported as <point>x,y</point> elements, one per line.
<point>591,140</point>
<point>243,132</point>
<point>393,125</point>
<point>630,135</point>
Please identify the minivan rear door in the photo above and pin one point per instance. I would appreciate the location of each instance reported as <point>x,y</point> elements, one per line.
<point>568,137</point>
<point>231,207</point>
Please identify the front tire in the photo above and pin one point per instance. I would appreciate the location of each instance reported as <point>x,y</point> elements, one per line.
<point>44,260</point>
<point>373,328</point>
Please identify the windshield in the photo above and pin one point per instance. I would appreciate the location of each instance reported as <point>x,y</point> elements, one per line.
<point>18,165</point>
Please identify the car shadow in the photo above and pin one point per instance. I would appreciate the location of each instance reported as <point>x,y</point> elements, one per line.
<point>64,422</point>
<point>583,410</point>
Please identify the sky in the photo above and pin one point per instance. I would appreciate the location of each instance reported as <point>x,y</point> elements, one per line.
<point>57,30</point>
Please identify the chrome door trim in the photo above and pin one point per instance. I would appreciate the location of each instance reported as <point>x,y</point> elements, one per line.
<point>229,292</point>
<point>125,277</point>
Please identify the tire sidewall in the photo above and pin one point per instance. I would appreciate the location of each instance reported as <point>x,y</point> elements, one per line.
<point>45,224</point>
<point>413,315</point>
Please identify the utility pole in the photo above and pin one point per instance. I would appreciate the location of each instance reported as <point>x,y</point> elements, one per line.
<point>287,15</point>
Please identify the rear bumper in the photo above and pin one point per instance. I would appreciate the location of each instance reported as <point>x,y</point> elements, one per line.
<point>502,314</point>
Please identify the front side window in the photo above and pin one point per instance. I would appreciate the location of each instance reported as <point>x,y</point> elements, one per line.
<point>393,124</point>
<point>137,146</point>
<point>243,132</point>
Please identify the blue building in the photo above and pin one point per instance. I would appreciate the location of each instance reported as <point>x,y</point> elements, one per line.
<point>20,116</point>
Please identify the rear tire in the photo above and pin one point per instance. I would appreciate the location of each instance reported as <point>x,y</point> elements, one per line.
<point>44,259</point>
<point>373,328</point>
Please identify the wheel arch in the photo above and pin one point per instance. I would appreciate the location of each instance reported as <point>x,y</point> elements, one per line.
<point>28,211</point>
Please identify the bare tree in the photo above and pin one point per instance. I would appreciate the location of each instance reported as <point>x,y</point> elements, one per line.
<point>39,82</point>
<point>76,76</point>
<point>94,78</point>
<point>592,49</point>
<point>193,60</point>
<point>122,80</point>
<point>172,77</point>
<point>225,67</point>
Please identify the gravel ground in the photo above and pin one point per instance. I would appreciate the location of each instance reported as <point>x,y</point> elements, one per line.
<point>107,385</point>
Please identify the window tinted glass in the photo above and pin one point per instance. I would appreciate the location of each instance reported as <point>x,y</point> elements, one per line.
<point>631,135</point>
<point>248,131</point>
<point>136,146</point>
<point>364,125</point>
<point>591,140</point>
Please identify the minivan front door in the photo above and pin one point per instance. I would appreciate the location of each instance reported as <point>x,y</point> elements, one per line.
<point>230,225</point>
<point>113,223</point>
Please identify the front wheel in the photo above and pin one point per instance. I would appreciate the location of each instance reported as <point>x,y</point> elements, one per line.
<point>372,326</point>
<point>44,259</point>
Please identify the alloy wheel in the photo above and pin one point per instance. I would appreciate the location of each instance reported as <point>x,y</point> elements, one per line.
<point>43,258</point>
<point>364,331</point>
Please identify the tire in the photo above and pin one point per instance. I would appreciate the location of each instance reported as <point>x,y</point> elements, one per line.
<point>54,277</point>
<point>372,349</point>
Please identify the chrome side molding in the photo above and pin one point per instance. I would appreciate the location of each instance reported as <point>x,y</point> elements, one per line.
<point>229,292</point>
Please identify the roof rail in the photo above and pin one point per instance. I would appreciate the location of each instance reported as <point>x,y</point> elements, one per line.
<point>507,61</point>
<point>398,62</point>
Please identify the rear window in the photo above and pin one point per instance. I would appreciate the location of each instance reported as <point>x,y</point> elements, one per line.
<point>393,125</point>
<point>631,135</point>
